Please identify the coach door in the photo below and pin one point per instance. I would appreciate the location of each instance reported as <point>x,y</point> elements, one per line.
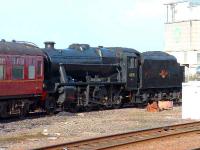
<point>39,73</point>
<point>131,70</point>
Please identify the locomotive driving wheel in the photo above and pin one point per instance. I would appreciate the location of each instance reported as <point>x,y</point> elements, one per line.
<point>72,107</point>
<point>101,96</point>
<point>117,100</point>
<point>50,105</point>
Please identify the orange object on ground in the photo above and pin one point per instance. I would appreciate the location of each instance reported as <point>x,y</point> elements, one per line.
<point>160,105</point>
<point>153,107</point>
<point>165,105</point>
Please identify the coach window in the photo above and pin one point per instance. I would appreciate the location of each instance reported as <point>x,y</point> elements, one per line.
<point>31,72</point>
<point>1,72</point>
<point>39,68</point>
<point>18,72</point>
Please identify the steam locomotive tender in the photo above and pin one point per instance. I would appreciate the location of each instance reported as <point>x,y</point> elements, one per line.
<point>82,76</point>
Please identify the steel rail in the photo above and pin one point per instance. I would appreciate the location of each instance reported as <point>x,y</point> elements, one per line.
<point>117,140</point>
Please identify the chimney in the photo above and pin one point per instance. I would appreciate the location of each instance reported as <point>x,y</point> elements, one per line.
<point>49,44</point>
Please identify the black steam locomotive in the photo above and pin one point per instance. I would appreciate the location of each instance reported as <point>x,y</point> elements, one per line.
<point>82,77</point>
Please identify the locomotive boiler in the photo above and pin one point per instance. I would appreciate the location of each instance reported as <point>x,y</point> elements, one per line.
<point>81,60</point>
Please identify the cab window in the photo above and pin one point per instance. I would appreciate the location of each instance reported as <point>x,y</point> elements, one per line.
<point>132,62</point>
<point>18,72</point>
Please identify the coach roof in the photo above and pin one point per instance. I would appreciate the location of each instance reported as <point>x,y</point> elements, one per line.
<point>19,48</point>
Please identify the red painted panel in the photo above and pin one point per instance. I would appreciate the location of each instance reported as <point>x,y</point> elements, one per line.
<point>10,87</point>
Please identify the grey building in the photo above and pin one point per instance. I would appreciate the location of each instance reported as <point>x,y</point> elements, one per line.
<point>182,35</point>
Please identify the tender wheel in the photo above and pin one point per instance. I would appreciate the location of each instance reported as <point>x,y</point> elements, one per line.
<point>116,106</point>
<point>101,107</point>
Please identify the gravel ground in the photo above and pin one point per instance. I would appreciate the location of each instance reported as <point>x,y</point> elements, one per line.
<point>66,127</point>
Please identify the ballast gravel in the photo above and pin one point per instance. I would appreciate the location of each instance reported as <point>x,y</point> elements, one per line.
<point>63,127</point>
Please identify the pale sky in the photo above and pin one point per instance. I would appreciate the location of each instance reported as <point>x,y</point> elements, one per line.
<point>136,24</point>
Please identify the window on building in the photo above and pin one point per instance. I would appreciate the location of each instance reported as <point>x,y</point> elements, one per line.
<point>198,58</point>
<point>18,72</point>
<point>39,68</point>
<point>1,72</point>
<point>31,72</point>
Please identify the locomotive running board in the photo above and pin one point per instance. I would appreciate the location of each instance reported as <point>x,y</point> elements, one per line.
<point>91,83</point>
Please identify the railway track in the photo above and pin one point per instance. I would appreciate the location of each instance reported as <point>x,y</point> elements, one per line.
<point>120,140</point>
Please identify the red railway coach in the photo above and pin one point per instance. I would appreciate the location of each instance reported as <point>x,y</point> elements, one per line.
<point>21,77</point>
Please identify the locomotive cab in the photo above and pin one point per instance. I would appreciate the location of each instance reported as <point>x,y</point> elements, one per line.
<point>130,70</point>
